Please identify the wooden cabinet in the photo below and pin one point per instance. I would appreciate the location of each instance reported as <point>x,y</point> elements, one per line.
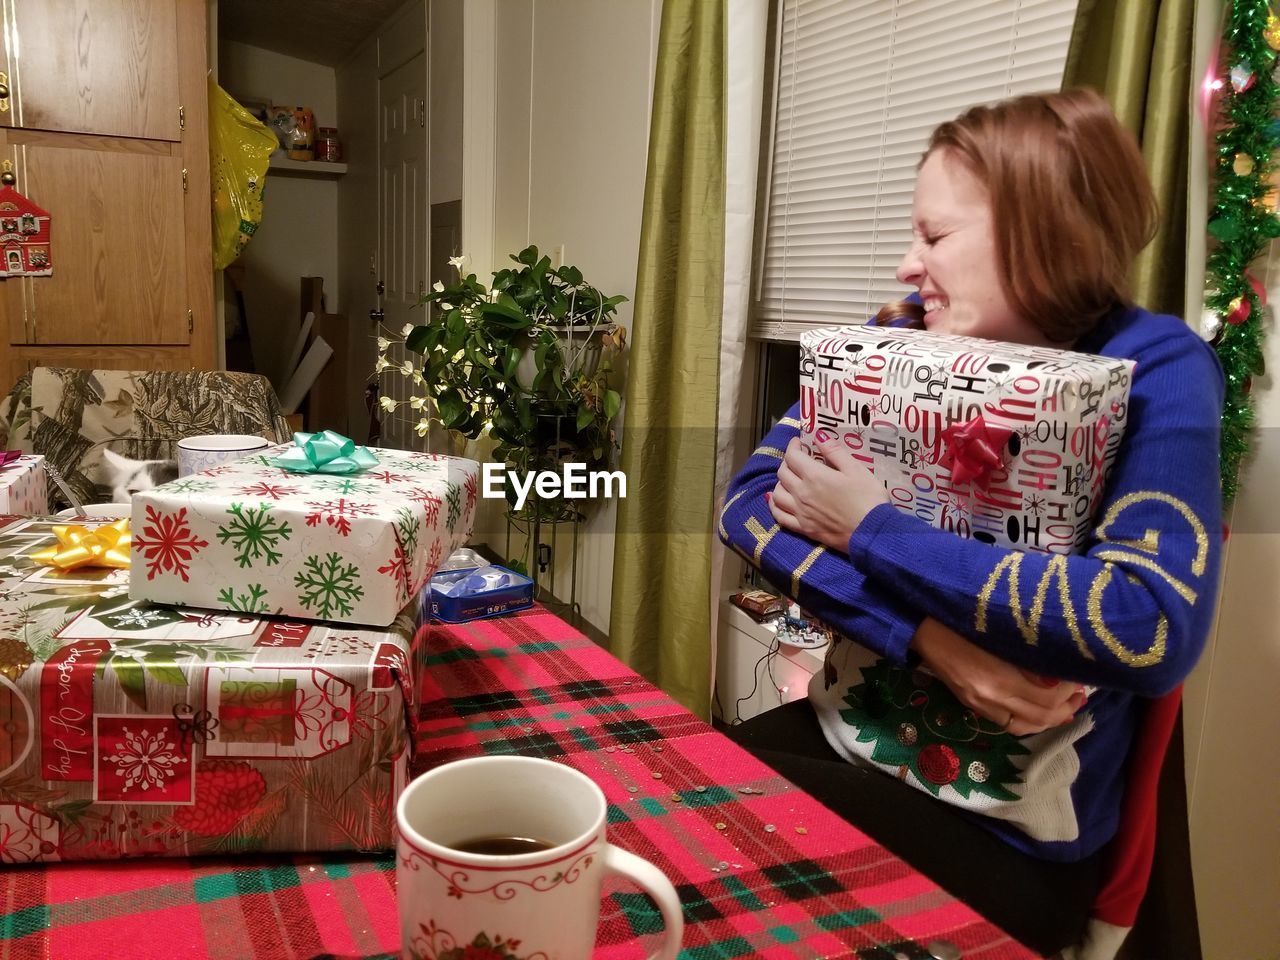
<point>105,126</point>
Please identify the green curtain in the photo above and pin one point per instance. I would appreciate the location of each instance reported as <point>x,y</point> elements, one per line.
<point>660,621</point>
<point>1137,53</point>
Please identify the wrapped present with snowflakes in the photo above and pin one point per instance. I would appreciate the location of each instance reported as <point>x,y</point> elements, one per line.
<point>23,485</point>
<point>1004,443</point>
<point>139,730</point>
<point>258,537</point>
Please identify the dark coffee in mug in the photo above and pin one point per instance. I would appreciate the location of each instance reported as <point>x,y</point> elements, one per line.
<point>502,846</point>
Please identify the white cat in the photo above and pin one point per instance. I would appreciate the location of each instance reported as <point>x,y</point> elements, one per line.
<point>124,476</point>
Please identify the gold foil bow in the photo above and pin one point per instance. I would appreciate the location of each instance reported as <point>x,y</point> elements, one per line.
<point>104,546</point>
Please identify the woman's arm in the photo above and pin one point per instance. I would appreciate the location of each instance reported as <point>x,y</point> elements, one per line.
<point>1134,610</point>
<point>824,582</point>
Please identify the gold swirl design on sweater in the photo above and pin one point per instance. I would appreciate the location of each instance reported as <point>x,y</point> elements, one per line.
<point>1131,554</point>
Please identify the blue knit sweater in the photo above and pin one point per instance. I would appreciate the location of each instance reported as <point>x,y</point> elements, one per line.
<point>1128,616</point>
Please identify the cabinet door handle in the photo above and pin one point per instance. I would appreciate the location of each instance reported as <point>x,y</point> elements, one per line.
<point>4,93</point>
<point>7,177</point>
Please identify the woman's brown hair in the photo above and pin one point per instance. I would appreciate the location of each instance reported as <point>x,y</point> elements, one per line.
<point>1071,202</point>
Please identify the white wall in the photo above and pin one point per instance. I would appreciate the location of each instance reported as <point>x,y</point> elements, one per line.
<point>298,236</point>
<point>574,80</point>
<point>1232,713</point>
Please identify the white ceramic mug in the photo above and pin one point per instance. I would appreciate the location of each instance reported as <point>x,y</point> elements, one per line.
<point>211,450</point>
<point>547,900</point>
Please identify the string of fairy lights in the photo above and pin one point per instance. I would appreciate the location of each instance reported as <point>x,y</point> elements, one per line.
<point>1244,218</point>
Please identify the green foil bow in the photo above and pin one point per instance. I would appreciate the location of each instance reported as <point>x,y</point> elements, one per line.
<point>325,452</point>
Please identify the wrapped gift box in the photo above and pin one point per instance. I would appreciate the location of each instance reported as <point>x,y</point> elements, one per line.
<point>24,487</point>
<point>250,536</point>
<point>475,602</point>
<point>136,730</point>
<point>917,408</point>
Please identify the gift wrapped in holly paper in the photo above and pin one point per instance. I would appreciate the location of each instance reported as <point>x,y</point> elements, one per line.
<point>1004,443</point>
<point>139,730</point>
<point>320,529</point>
<point>23,484</point>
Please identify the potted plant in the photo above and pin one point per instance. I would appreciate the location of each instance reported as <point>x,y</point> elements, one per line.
<point>529,360</point>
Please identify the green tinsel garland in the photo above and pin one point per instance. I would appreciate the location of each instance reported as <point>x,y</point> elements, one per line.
<point>1241,221</point>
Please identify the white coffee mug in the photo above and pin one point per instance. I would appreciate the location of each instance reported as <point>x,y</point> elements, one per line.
<point>213,449</point>
<point>547,900</point>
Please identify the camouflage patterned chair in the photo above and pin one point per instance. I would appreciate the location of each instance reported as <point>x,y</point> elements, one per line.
<point>70,415</point>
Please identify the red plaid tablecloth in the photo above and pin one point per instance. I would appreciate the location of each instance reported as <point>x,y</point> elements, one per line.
<point>763,870</point>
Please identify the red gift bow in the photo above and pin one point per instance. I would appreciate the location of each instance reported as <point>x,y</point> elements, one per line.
<point>972,450</point>
<point>9,456</point>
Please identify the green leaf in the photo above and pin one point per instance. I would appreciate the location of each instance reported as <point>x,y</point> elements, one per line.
<point>421,339</point>
<point>513,360</point>
<point>506,312</point>
<point>166,673</point>
<point>453,409</point>
<point>129,674</point>
<point>585,416</point>
<point>612,404</point>
<point>454,322</point>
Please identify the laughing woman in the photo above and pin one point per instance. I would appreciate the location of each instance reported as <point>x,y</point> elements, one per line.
<point>1026,218</point>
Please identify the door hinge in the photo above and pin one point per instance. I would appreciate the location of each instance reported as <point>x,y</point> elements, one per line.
<point>182,117</point>
<point>184,179</point>
<point>191,322</point>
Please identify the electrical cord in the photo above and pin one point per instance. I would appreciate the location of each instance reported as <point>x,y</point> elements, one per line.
<point>774,647</point>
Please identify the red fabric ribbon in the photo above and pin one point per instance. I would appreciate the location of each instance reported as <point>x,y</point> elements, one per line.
<point>9,456</point>
<point>972,450</point>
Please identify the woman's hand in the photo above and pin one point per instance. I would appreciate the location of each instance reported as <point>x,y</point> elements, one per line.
<point>824,501</point>
<point>1015,700</point>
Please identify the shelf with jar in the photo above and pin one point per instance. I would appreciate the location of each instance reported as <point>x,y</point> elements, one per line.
<point>280,163</point>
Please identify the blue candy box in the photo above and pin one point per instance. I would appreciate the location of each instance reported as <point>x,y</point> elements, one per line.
<point>473,593</point>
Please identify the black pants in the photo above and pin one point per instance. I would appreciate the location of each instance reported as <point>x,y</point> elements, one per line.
<point>1043,904</point>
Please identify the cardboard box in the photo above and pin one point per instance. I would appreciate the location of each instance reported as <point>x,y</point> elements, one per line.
<point>24,487</point>
<point>249,536</point>
<point>136,730</point>
<point>907,402</point>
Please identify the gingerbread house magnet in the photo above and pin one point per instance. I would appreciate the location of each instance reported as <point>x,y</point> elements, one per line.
<point>24,237</point>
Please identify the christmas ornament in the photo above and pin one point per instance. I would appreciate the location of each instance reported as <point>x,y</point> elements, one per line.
<point>1271,32</point>
<point>978,772</point>
<point>1241,77</point>
<point>907,735</point>
<point>939,763</point>
<point>1242,164</point>
<point>1210,324</point>
<point>1238,310</point>
<point>24,235</point>
<point>15,657</point>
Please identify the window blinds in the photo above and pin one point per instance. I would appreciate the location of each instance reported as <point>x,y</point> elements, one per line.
<point>860,84</point>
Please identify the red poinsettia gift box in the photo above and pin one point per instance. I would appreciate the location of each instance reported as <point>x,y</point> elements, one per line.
<point>138,730</point>
<point>258,537</point>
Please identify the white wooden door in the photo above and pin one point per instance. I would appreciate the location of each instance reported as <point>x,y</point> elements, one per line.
<point>404,211</point>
